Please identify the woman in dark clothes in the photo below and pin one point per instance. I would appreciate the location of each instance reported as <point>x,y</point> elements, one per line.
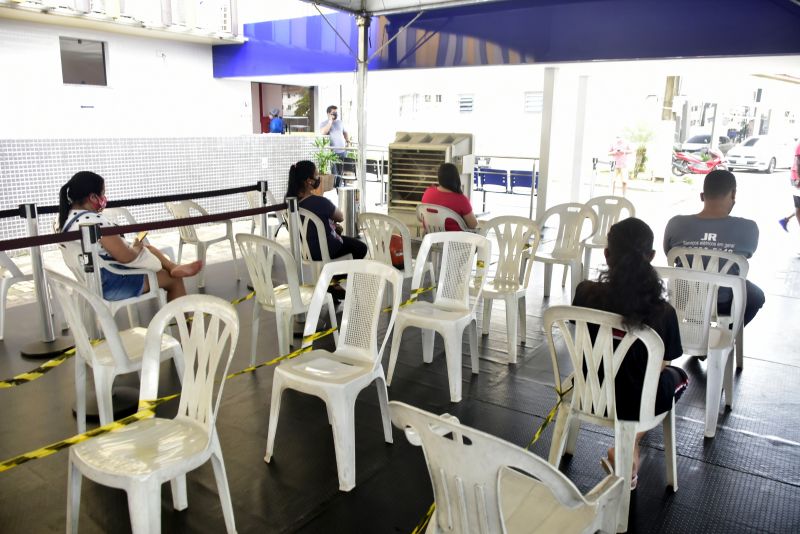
<point>633,289</point>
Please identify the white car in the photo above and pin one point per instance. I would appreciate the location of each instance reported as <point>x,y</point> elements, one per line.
<point>699,142</point>
<point>761,153</point>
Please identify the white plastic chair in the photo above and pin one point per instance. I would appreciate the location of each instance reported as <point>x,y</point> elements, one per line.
<point>450,313</point>
<point>693,294</point>
<point>715,261</point>
<point>72,253</point>
<point>433,218</point>
<point>609,211</point>
<point>484,484</point>
<point>568,242</point>
<point>9,275</point>
<point>123,216</point>
<point>593,397</point>
<point>378,230</point>
<point>285,300</point>
<point>338,377</point>
<point>119,353</point>
<point>201,237</point>
<point>308,218</point>
<point>141,456</point>
<point>516,238</point>
<point>254,201</point>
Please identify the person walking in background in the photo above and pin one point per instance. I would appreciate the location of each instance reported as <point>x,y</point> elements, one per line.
<point>449,194</point>
<point>619,151</point>
<point>795,179</point>
<point>276,122</point>
<point>334,127</point>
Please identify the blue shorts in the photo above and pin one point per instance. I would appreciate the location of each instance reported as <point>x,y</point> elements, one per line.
<point>121,286</point>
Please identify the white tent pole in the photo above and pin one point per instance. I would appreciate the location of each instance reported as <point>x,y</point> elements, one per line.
<point>580,133</point>
<point>363,64</point>
<point>544,140</point>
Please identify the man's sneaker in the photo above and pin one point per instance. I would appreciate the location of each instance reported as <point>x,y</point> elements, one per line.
<point>784,223</point>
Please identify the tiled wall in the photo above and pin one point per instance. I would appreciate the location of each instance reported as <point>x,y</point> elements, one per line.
<point>33,170</point>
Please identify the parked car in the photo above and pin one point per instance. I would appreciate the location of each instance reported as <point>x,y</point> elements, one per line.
<point>761,153</point>
<point>703,141</point>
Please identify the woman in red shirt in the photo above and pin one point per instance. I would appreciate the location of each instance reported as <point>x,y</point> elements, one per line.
<point>449,194</point>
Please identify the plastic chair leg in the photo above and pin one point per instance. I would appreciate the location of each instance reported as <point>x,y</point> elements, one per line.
<point>576,274</point>
<point>728,385</point>
<point>564,277</point>
<point>670,451</point>
<point>587,262</point>
<point>201,255</point>
<point>523,319</point>
<point>180,251</point>
<point>572,435</point>
<point>559,436</point>
<point>102,385</point>
<point>342,414</point>
<point>332,317</point>
<point>714,376</point>
<point>179,499</point>
<point>383,401</point>
<point>548,278</point>
<point>235,262</point>
<point>221,478</point>
<point>739,349</point>
<point>80,393</point>
<point>4,285</point>
<point>624,442</point>
<point>427,345</point>
<point>472,331</point>
<point>397,335</point>
<point>487,316</point>
<point>512,314</point>
<point>133,315</point>
<point>74,479</point>
<point>452,351</point>
<point>274,412</point>
<point>144,506</point>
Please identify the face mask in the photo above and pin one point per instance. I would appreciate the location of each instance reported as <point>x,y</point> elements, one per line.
<point>100,203</point>
<point>316,183</point>
<point>335,115</point>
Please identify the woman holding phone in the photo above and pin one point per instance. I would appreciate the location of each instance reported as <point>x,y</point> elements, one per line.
<point>82,199</point>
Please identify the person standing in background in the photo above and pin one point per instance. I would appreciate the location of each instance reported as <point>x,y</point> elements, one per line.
<point>334,127</point>
<point>619,151</point>
<point>795,177</point>
<point>276,122</point>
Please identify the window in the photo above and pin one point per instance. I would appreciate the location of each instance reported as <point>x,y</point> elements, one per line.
<point>409,104</point>
<point>427,98</point>
<point>83,61</point>
<point>439,99</point>
<point>465,103</point>
<point>534,101</point>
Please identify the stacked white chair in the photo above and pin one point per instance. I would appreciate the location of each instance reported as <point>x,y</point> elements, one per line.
<point>9,275</point>
<point>119,352</point>
<point>693,294</point>
<point>338,377</point>
<point>307,219</point>
<point>433,218</point>
<point>593,399</point>
<point>609,210</point>
<point>484,484</point>
<point>451,312</point>
<point>287,300</point>
<point>140,457</point>
<point>715,261</point>
<point>378,230</point>
<point>568,242</point>
<point>201,237</point>
<point>516,238</point>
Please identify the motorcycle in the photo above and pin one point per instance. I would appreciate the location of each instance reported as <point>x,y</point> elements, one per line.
<point>702,162</point>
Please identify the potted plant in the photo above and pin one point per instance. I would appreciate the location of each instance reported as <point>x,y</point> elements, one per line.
<point>324,157</point>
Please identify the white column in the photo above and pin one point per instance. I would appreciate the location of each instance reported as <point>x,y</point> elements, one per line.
<point>544,143</point>
<point>577,146</point>
<point>363,51</point>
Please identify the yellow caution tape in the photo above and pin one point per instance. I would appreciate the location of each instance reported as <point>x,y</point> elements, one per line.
<point>423,524</point>
<point>414,296</point>
<point>43,369</point>
<point>238,301</point>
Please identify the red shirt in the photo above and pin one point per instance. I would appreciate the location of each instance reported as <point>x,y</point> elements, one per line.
<point>455,201</point>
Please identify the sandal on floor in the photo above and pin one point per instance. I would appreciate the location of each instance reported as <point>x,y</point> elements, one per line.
<point>605,463</point>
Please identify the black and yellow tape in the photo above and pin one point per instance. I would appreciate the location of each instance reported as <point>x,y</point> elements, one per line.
<point>39,372</point>
<point>423,524</point>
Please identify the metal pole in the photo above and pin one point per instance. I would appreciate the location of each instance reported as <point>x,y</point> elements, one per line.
<point>363,65</point>
<point>50,345</point>
<point>594,177</point>
<point>90,236</point>
<point>263,187</point>
<point>533,189</point>
<point>294,234</point>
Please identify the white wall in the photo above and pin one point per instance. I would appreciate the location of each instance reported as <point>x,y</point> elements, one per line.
<point>155,87</point>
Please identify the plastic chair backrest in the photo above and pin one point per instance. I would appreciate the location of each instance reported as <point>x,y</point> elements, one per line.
<point>609,212</point>
<point>455,274</point>
<point>7,266</point>
<point>307,218</point>
<point>433,217</point>
<point>259,255</point>
<point>709,260</point>
<point>693,294</point>
<point>513,235</point>
<point>378,230</point>
<point>76,301</point>
<point>71,252</point>
<point>207,352</point>
<point>115,215</point>
<point>363,306</point>
<point>571,218</point>
<point>182,210</point>
<point>465,466</point>
<point>592,394</point>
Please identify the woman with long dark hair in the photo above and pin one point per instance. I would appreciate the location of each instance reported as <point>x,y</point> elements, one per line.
<point>450,195</point>
<point>82,199</point>
<point>632,288</point>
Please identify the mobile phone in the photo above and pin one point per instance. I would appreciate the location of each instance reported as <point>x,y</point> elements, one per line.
<point>141,235</point>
